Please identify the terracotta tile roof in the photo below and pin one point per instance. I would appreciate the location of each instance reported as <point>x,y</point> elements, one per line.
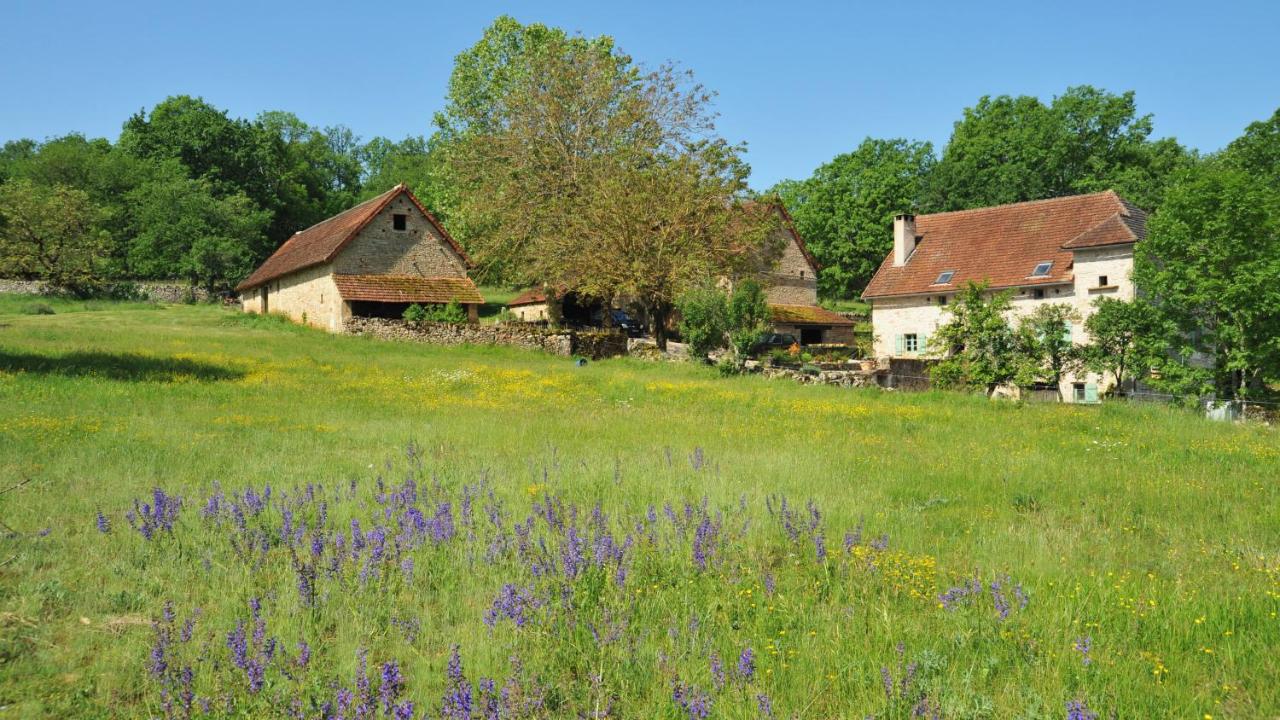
<point>1003,244</point>
<point>407,289</point>
<point>322,242</point>
<point>532,296</point>
<point>806,315</point>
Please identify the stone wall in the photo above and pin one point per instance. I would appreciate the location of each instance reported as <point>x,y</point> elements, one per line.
<point>307,296</point>
<point>529,337</point>
<point>792,280</point>
<point>842,378</point>
<point>166,292</point>
<point>418,251</point>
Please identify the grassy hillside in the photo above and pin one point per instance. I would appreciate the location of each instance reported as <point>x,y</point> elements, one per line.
<point>1022,557</point>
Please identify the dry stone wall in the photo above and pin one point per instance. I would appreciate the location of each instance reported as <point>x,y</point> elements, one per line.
<point>512,335</point>
<point>165,292</point>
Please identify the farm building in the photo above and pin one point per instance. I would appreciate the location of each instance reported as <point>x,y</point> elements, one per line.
<point>530,306</point>
<point>1069,250</point>
<point>373,260</point>
<point>791,288</point>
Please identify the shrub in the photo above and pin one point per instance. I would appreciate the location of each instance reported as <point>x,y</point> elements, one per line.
<point>415,314</point>
<point>704,320</point>
<point>452,313</point>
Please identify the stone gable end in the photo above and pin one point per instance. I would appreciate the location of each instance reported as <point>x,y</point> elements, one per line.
<point>419,250</point>
<point>792,280</point>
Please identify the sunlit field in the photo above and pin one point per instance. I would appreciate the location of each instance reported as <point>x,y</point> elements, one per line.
<point>208,514</point>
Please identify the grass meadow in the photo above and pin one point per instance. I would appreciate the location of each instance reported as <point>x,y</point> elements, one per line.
<point>208,514</point>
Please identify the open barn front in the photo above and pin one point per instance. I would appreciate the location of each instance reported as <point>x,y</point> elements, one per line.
<point>388,296</point>
<point>375,309</point>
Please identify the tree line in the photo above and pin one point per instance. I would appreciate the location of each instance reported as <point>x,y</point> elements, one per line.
<point>186,192</point>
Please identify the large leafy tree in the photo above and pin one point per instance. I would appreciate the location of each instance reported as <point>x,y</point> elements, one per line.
<point>1046,346</point>
<point>104,173</point>
<point>591,176</point>
<point>183,230</point>
<point>1010,149</point>
<point>979,347</point>
<point>1121,339</point>
<point>1210,266</point>
<point>52,234</point>
<point>415,161</point>
<point>845,210</point>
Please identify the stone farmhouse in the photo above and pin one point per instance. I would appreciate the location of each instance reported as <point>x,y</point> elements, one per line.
<point>1064,250</point>
<point>373,260</point>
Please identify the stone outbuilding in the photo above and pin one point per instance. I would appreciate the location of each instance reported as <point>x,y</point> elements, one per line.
<point>531,305</point>
<point>373,260</point>
<point>791,289</point>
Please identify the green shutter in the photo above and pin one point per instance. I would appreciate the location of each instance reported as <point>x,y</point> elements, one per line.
<point>1091,392</point>
<point>899,344</point>
<point>1066,334</point>
<point>923,343</point>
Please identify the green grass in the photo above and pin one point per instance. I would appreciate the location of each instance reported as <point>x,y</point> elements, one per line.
<point>1146,528</point>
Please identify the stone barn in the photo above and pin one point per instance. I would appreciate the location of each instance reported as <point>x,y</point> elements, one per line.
<point>373,260</point>
<point>791,289</point>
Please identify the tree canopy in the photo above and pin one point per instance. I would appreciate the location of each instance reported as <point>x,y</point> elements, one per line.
<point>591,175</point>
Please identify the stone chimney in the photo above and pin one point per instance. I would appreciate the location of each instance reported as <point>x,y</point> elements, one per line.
<point>904,238</point>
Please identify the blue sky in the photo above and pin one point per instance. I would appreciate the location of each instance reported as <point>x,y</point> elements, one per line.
<point>798,82</point>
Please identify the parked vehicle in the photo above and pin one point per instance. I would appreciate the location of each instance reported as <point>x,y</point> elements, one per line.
<point>773,341</point>
<point>620,320</point>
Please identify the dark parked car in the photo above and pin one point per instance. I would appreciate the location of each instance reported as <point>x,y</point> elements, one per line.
<point>773,341</point>
<point>620,320</point>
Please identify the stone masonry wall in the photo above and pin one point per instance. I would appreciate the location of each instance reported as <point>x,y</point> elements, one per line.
<point>417,251</point>
<point>509,334</point>
<point>167,292</point>
<point>791,281</point>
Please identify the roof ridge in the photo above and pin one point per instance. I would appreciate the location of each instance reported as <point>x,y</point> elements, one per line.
<point>1026,202</point>
<point>357,206</point>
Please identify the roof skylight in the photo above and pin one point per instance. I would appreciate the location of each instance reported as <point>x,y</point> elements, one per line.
<point>944,277</point>
<point>1042,269</point>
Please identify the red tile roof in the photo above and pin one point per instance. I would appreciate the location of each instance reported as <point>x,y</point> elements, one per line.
<point>407,289</point>
<point>1002,244</point>
<point>322,242</point>
<point>806,315</point>
<point>532,296</point>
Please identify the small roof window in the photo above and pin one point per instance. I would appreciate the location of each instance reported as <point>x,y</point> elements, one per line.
<point>944,277</point>
<point>1042,269</point>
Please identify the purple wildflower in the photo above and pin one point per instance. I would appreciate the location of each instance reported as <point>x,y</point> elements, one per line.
<point>1083,646</point>
<point>1078,710</point>
<point>392,685</point>
<point>717,671</point>
<point>304,653</point>
<point>765,705</point>
<point>747,665</point>
<point>104,525</point>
